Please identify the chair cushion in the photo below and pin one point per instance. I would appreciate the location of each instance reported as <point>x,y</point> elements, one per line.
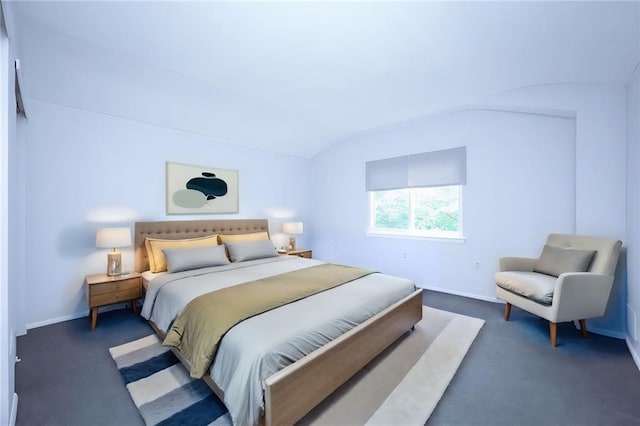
<point>532,285</point>
<point>557,260</point>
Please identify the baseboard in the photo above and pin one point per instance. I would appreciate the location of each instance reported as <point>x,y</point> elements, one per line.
<point>634,354</point>
<point>605,332</point>
<point>463,294</point>
<point>14,410</point>
<point>73,316</point>
<point>63,318</point>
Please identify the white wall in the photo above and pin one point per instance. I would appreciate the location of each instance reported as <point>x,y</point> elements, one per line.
<point>498,218</point>
<point>633,214</point>
<point>6,364</point>
<point>518,165</point>
<point>86,169</point>
<point>600,170</point>
<point>17,225</point>
<point>10,272</point>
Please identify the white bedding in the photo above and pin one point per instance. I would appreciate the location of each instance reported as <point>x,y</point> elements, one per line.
<point>277,337</point>
<point>147,276</point>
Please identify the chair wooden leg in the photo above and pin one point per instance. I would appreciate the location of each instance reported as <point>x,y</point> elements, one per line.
<point>583,327</point>
<point>507,311</point>
<point>553,329</point>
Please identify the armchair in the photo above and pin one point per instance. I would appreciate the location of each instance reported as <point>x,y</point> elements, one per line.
<point>570,281</point>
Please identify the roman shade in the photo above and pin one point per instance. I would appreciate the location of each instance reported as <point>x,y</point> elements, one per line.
<point>428,169</point>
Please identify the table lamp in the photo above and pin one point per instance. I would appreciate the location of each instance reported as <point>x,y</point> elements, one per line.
<point>113,238</point>
<point>292,228</point>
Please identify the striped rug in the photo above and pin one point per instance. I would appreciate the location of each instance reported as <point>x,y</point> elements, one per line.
<point>402,386</point>
<point>162,389</point>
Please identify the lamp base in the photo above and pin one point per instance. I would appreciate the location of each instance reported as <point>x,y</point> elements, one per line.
<point>292,243</point>
<point>114,263</point>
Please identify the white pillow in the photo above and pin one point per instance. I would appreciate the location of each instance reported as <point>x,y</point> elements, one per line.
<point>184,259</point>
<point>251,250</point>
<point>557,260</point>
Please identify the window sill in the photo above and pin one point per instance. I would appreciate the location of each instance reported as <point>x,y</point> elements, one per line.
<point>455,240</point>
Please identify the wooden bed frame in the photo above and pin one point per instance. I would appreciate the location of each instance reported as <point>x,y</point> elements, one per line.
<point>296,389</point>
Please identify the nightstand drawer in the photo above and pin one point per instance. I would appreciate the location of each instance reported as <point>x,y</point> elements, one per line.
<point>111,287</point>
<point>102,289</point>
<point>305,254</point>
<point>114,297</point>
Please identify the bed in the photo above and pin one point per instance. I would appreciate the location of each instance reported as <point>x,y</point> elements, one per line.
<point>299,382</point>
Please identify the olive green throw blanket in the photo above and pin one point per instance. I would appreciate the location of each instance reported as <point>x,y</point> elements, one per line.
<point>203,322</point>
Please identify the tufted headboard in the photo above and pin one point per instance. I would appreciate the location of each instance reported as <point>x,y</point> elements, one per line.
<point>179,229</point>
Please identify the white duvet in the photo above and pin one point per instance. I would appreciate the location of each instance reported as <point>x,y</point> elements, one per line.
<point>259,346</point>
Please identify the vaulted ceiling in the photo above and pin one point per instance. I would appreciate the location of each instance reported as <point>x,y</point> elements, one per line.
<point>295,77</point>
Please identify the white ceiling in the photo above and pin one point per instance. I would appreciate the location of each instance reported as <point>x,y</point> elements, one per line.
<point>297,77</point>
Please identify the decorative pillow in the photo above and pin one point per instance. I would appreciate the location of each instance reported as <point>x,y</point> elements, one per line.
<point>157,261</point>
<point>557,260</point>
<point>184,259</point>
<point>250,250</point>
<point>239,238</point>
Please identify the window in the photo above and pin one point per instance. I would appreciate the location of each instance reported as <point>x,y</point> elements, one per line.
<point>422,212</point>
<point>418,194</point>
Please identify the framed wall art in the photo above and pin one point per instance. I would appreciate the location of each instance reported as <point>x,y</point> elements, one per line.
<point>195,189</point>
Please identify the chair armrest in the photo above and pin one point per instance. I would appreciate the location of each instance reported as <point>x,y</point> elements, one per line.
<point>581,295</point>
<point>525,264</point>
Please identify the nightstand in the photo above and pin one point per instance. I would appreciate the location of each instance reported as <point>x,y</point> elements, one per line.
<point>104,290</point>
<point>300,253</point>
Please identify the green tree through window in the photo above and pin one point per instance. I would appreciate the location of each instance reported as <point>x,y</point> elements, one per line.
<point>419,211</point>
<point>392,209</point>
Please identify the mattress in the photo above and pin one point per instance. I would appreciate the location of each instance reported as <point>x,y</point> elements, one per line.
<point>262,345</point>
<point>147,276</point>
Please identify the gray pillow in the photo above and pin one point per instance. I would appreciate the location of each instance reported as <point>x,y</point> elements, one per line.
<point>557,260</point>
<point>184,259</point>
<point>250,250</point>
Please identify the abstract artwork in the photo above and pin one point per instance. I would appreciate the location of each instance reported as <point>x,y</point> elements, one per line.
<point>195,189</point>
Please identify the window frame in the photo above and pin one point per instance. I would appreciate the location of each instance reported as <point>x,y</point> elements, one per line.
<point>413,233</point>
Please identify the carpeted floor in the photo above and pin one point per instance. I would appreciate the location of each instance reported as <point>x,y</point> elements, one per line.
<point>510,376</point>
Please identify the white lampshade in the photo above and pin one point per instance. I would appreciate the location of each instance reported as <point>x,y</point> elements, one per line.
<point>292,228</point>
<point>113,237</point>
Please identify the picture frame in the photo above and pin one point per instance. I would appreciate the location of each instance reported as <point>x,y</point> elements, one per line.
<point>195,189</point>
